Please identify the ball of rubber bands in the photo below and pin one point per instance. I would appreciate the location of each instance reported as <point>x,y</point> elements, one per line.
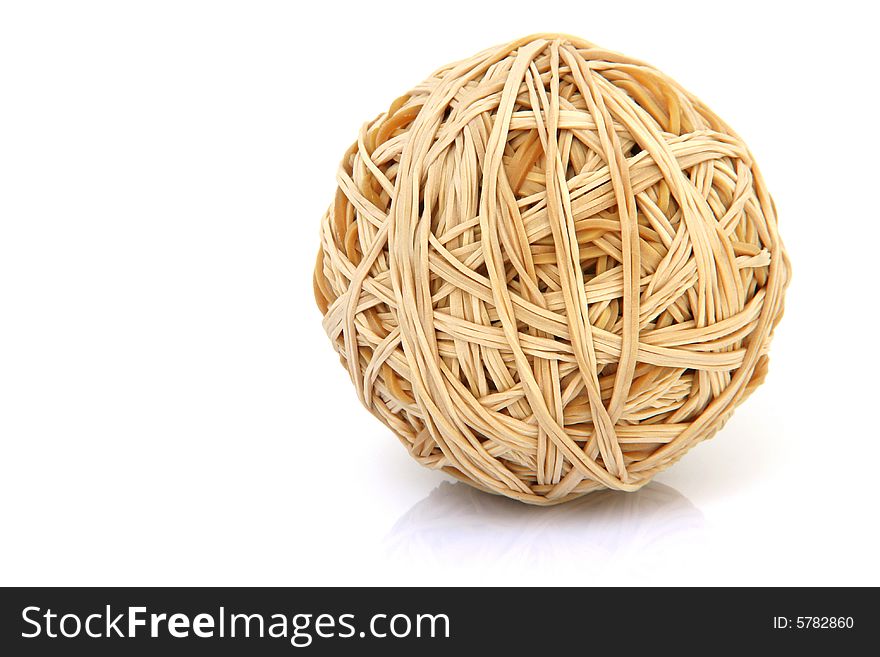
<point>549,269</point>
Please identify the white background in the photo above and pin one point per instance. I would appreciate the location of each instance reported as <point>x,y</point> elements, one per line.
<point>170,409</point>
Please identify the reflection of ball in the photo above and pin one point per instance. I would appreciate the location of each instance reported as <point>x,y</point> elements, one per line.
<point>550,269</point>
<point>458,525</point>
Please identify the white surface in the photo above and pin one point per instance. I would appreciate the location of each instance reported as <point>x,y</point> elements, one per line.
<point>170,409</point>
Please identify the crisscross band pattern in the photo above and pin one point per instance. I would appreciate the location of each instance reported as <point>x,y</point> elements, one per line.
<point>549,269</point>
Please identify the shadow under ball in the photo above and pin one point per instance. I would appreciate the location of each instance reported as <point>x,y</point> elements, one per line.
<point>549,270</point>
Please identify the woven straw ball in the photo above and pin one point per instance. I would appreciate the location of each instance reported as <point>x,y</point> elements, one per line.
<point>549,270</point>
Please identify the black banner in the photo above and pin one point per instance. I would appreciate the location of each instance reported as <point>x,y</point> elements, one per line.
<point>333,621</point>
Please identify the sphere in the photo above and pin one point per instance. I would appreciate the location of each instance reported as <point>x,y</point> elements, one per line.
<point>549,269</point>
